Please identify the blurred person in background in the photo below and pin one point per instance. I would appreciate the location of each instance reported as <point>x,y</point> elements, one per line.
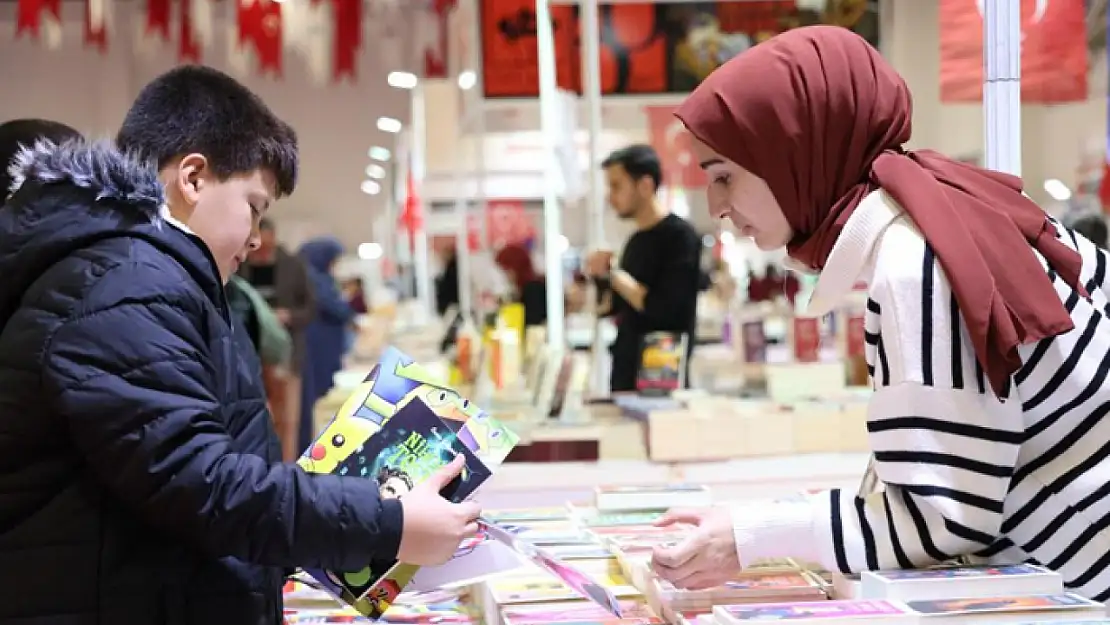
<point>1091,224</point>
<point>326,338</point>
<point>654,286</point>
<point>529,287</point>
<point>282,280</point>
<point>21,133</point>
<point>447,282</point>
<point>355,292</point>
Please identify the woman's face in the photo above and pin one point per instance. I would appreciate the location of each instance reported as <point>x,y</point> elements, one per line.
<point>743,198</point>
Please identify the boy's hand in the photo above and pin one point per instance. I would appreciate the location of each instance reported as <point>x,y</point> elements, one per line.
<point>434,527</point>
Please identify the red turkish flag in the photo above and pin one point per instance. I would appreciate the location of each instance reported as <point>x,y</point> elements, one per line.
<point>28,15</point>
<point>412,214</point>
<point>188,45</point>
<point>158,18</point>
<point>673,143</point>
<point>347,37</point>
<point>260,27</point>
<point>95,24</point>
<point>1053,51</point>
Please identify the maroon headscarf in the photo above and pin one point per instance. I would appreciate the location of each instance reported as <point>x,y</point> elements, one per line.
<point>516,259</point>
<point>821,118</point>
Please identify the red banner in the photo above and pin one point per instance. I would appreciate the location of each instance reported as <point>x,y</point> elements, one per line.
<point>188,47</point>
<point>673,143</point>
<point>347,37</point>
<point>412,213</point>
<point>1053,51</point>
<point>260,28</point>
<point>28,17</point>
<point>435,51</point>
<point>158,18</point>
<point>95,28</point>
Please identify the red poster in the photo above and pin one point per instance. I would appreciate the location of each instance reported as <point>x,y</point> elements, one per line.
<point>673,143</point>
<point>855,336</point>
<point>1053,51</point>
<point>510,56</point>
<point>807,339</point>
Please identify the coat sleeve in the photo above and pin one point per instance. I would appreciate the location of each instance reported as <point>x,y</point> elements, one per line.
<point>136,385</point>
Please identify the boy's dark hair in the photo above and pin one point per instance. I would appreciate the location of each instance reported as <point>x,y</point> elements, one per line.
<point>24,133</point>
<point>1092,225</point>
<point>387,473</point>
<point>198,109</point>
<point>640,161</point>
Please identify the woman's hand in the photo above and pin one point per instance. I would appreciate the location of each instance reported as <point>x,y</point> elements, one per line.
<point>707,558</point>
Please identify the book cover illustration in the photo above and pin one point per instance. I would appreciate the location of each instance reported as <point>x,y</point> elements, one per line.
<point>812,610</point>
<point>527,515</point>
<point>661,364</point>
<point>960,572</point>
<point>769,582</point>
<point>612,519</point>
<point>576,580</point>
<point>392,384</point>
<point>408,448</point>
<point>1066,601</point>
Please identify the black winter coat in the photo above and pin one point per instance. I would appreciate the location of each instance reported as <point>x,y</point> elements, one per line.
<point>139,473</point>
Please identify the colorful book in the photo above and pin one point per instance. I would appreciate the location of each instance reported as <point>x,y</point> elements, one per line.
<point>406,451</point>
<point>395,382</point>
<point>824,612</point>
<point>579,613</point>
<point>634,498</point>
<point>983,606</point>
<point>961,581</point>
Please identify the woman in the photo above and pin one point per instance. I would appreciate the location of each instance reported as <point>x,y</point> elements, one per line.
<point>984,326</point>
<point>326,334</point>
<point>531,290</point>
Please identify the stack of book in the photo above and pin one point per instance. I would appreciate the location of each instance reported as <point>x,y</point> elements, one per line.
<point>968,595</point>
<point>772,586</point>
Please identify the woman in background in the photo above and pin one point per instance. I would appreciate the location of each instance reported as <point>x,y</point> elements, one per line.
<point>531,289</point>
<point>326,334</point>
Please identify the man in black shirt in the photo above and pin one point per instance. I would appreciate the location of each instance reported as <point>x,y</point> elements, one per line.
<point>654,286</point>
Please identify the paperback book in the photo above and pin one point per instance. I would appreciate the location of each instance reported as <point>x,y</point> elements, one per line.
<point>960,581</point>
<point>414,446</point>
<point>873,612</point>
<point>1036,607</point>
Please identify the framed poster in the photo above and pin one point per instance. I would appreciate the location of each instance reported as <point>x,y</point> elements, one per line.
<point>646,48</point>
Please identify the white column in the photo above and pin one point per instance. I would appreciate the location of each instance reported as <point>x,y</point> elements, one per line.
<point>462,231</point>
<point>550,123</point>
<point>1002,85</point>
<point>420,237</point>
<point>591,91</point>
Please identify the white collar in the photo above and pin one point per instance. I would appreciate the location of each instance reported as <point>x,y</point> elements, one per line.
<point>167,216</point>
<point>852,259</point>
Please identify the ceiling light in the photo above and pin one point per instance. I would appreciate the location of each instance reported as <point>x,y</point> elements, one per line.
<point>388,124</point>
<point>401,80</point>
<point>375,171</point>
<point>369,187</point>
<point>1057,190</point>
<point>370,251</point>
<point>378,153</point>
<point>467,80</point>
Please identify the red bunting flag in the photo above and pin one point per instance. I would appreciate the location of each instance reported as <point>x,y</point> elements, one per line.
<point>412,214</point>
<point>158,18</point>
<point>260,28</point>
<point>29,15</point>
<point>95,26</point>
<point>188,45</point>
<point>347,37</point>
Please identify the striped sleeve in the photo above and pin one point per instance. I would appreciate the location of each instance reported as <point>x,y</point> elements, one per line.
<point>944,445</point>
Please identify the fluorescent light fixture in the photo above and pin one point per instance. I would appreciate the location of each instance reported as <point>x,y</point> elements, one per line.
<point>370,251</point>
<point>375,171</point>
<point>370,187</point>
<point>1057,190</point>
<point>467,80</point>
<point>378,153</point>
<point>401,80</point>
<point>388,124</point>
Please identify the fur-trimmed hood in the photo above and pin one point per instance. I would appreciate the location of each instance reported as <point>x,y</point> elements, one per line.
<point>96,166</point>
<point>71,196</point>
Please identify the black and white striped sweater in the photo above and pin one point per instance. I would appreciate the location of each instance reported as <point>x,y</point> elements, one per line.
<point>961,473</point>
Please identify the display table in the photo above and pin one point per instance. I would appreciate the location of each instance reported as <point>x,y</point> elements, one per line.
<point>552,484</point>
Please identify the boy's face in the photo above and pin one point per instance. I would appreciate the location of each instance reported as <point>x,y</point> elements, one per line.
<point>224,214</point>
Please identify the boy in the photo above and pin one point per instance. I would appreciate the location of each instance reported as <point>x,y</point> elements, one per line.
<point>141,481</point>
